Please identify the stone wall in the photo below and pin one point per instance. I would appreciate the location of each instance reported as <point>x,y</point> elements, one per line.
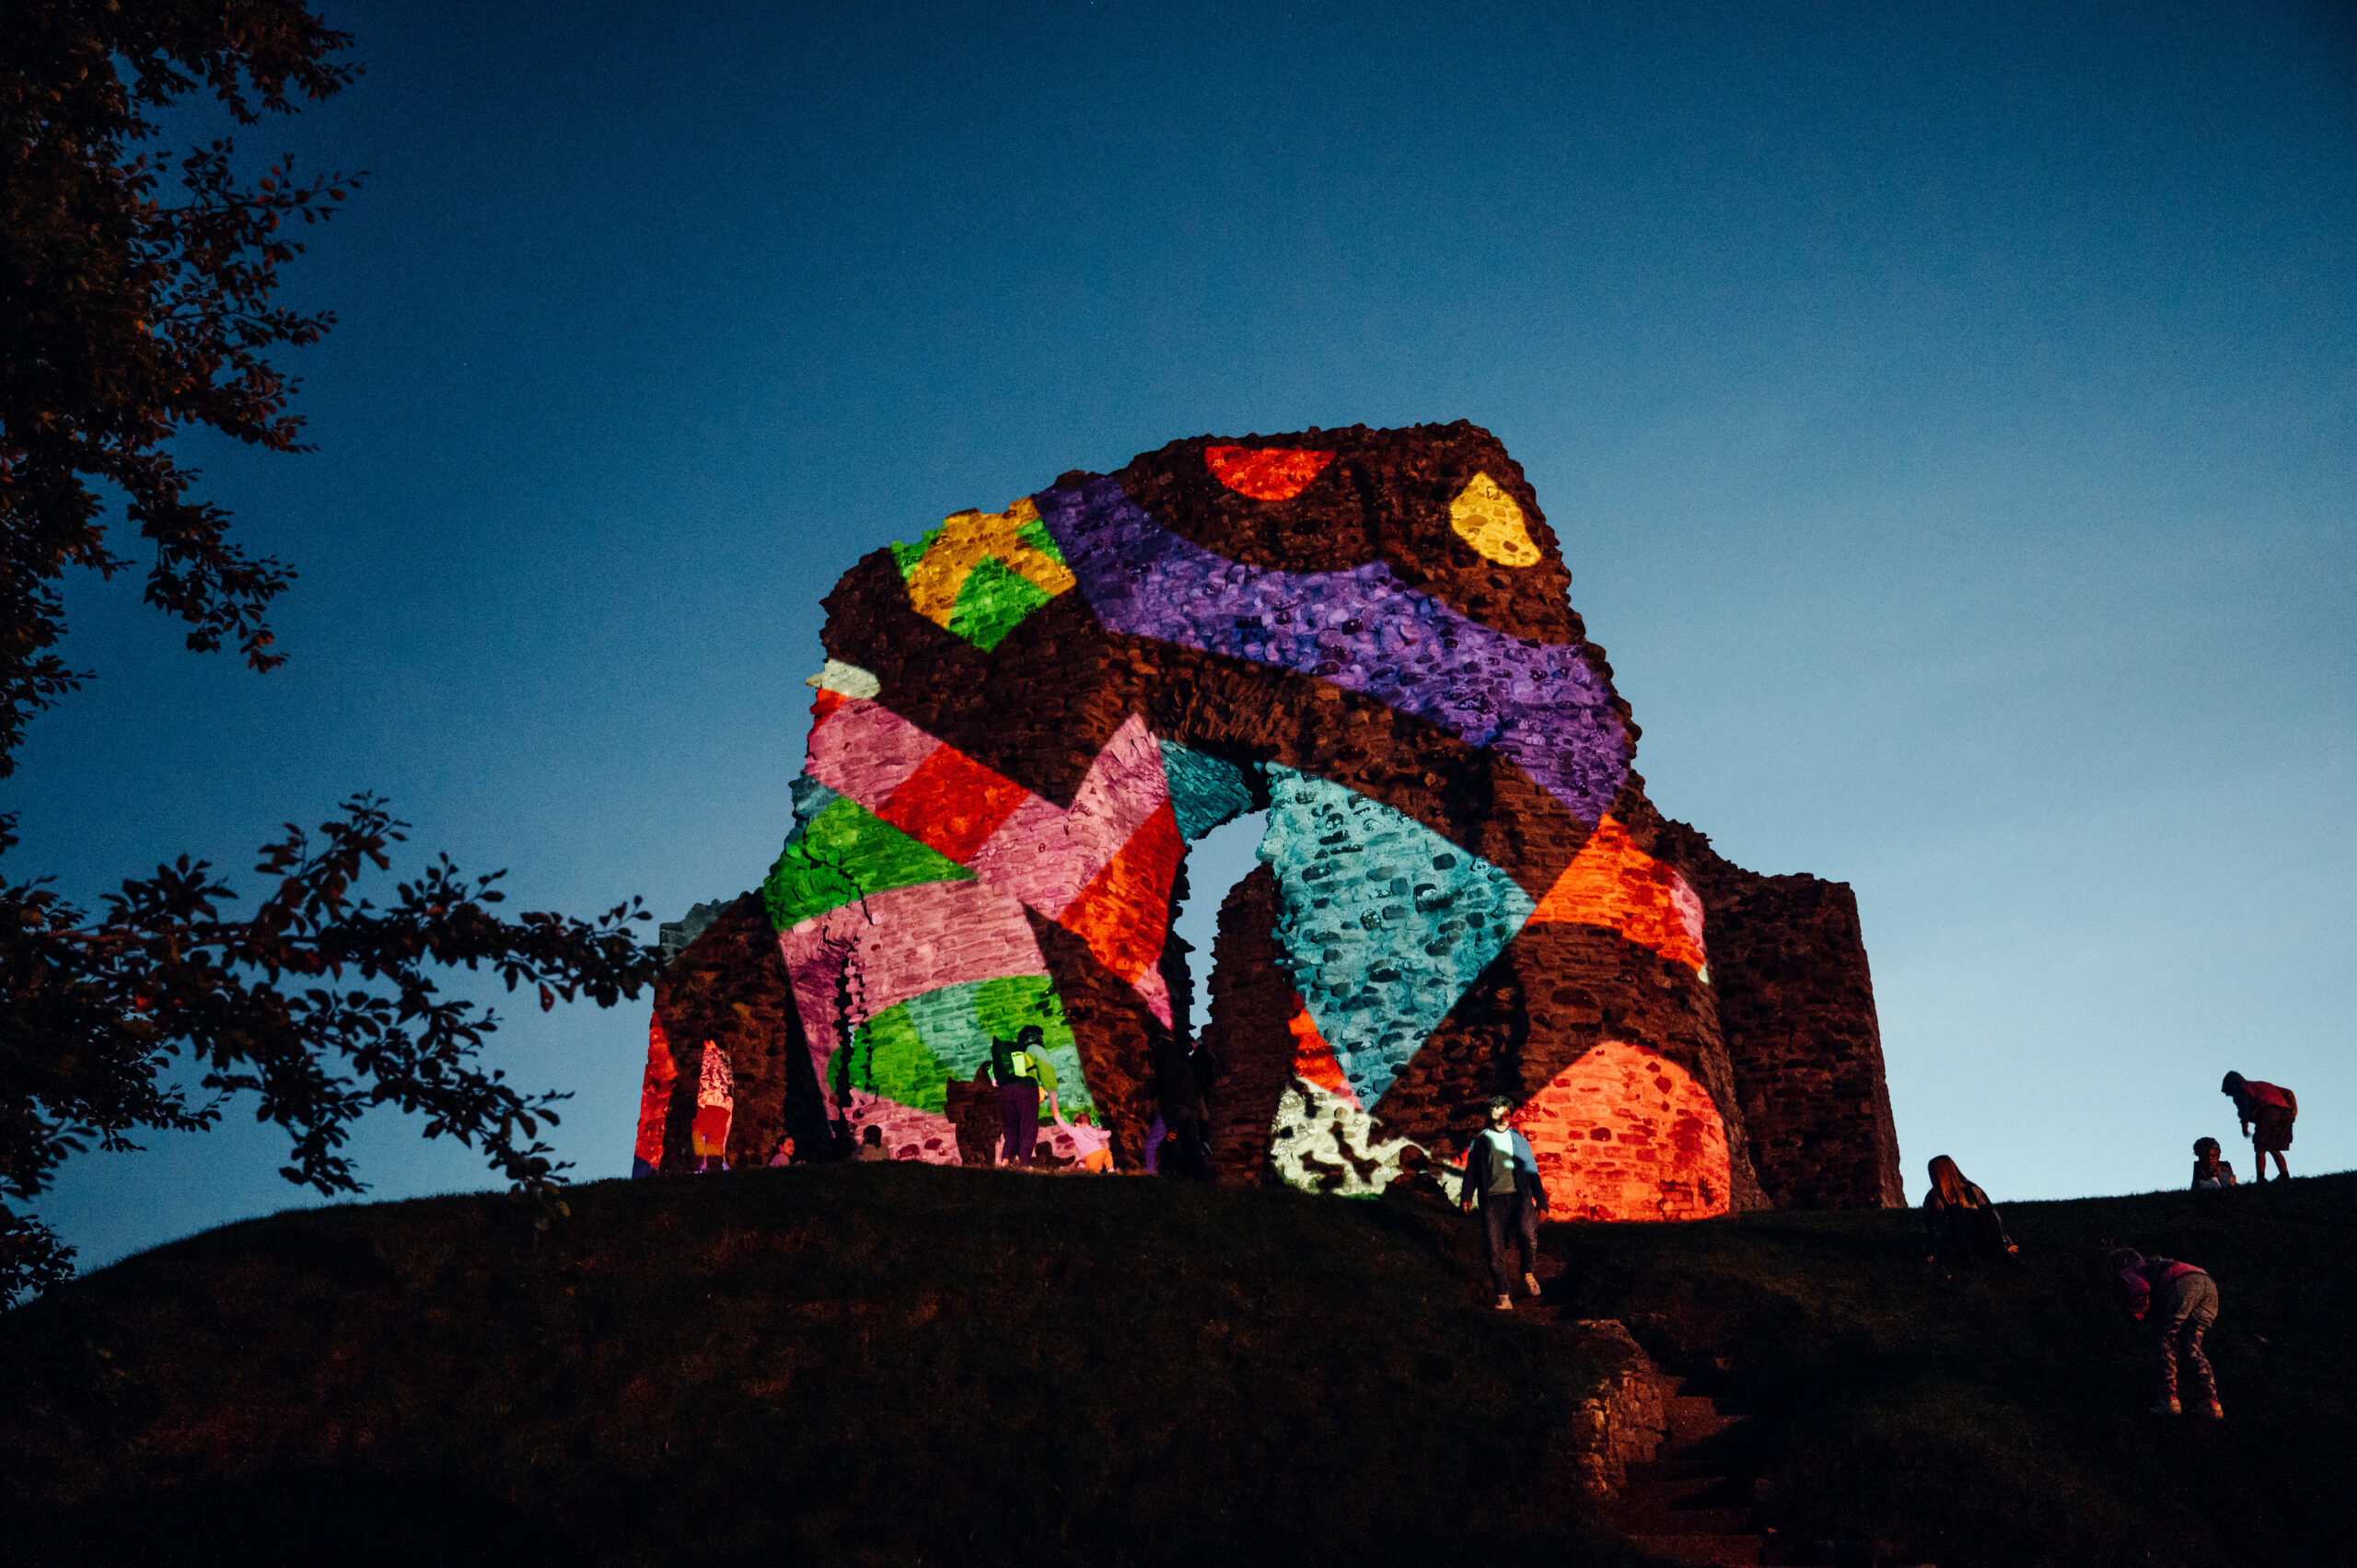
<point>1026,716</point>
<point>1797,1006</point>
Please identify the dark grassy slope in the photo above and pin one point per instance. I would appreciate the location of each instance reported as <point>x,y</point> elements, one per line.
<point>2000,1419</point>
<point>861,1364</point>
<point>894,1365</point>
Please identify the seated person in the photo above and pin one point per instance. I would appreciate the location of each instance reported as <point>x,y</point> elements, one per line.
<point>1960,1221</point>
<point>2210,1172</point>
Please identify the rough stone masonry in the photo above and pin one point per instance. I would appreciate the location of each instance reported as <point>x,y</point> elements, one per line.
<point>1026,715</point>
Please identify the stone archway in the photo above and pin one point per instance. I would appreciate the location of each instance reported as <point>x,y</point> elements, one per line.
<point>1025,717</point>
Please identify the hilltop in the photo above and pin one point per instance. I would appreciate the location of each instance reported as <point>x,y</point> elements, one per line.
<point>897,1364</point>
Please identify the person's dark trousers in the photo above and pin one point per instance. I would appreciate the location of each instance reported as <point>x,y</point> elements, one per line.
<point>1018,1107</point>
<point>1509,1219</point>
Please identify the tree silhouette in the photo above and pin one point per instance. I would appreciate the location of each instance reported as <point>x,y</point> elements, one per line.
<point>127,316</point>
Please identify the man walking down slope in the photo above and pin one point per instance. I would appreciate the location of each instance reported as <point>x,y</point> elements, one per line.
<point>1502,1175</point>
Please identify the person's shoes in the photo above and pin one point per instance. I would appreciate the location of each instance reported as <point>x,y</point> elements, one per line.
<point>2214,1410</point>
<point>2165,1406</point>
<point>1531,1283</point>
<point>1505,1303</point>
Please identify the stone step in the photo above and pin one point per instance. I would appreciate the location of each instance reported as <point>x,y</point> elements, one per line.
<point>1679,1468</point>
<point>1686,1521</point>
<point>1741,1551</point>
<point>1661,1492</point>
<point>1693,1419</point>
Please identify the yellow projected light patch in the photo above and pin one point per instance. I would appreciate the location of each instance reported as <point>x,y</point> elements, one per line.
<point>1013,538</point>
<point>1486,518</point>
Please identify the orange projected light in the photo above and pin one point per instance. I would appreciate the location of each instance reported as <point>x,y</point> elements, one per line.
<point>1266,473</point>
<point>1313,1058</point>
<point>1612,883</point>
<point>1624,1133</point>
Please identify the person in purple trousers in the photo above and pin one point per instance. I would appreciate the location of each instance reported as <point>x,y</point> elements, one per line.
<point>1020,1068</point>
<point>2180,1300</point>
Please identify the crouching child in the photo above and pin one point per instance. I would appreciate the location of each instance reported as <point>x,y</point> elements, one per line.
<point>2180,1302</point>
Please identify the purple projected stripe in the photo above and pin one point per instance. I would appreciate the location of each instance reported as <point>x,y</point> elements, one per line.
<point>1537,702</point>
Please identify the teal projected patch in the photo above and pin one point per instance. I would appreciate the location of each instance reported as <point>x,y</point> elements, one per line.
<point>1204,791</point>
<point>957,1023</point>
<point>1383,923</point>
<point>839,851</point>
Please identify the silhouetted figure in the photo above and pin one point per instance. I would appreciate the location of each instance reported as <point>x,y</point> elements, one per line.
<point>2266,1112</point>
<point>1960,1221</point>
<point>1182,1075</point>
<point>1502,1175</point>
<point>2210,1174</point>
<point>974,1108</point>
<point>871,1145</point>
<point>2180,1300</point>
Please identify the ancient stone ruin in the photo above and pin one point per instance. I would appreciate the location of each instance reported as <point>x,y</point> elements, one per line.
<point>1026,715</point>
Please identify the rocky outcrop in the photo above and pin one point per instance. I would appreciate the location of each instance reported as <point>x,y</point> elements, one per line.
<point>1624,1421</point>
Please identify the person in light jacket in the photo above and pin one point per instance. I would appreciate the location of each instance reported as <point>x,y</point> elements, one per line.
<point>1502,1176</point>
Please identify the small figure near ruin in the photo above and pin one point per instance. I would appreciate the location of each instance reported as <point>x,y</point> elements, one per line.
<point>2211,1173</point>
<point>1092,1146</point>
<point>871,1145</point>
<point>1502,1175</point>
<point>2180,1300</point>
<point>1182,1079</point>
<point>1960,1224</point>
<point>2266,1112</point>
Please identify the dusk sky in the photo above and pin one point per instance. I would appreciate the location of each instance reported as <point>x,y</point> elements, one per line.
<point>1949,416</point>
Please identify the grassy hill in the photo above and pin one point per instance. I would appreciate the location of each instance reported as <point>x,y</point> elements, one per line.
<point>897,1365</point>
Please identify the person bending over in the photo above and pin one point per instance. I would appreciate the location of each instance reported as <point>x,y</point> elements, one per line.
<point>1502,1175</point>
<point>2180,1300</point>
<point>2266,1112</point>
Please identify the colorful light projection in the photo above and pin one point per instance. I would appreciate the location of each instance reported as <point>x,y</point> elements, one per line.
<point>1383,923</point>
<point>715,1104</point>
<point>1363,633</point>
<point>1323,1138</point>
<point>1624,1133</point>
<point>979,574</point>
<point>654,1099</point>
<point>1365,630</point>
<point>1614,884</point>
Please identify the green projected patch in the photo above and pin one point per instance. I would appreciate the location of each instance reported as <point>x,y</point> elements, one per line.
<point>843,853</point>
<point>993,602</point>
<point>888,1058</point>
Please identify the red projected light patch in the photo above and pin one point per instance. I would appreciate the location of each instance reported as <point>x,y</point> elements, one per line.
<point>1266,473</point>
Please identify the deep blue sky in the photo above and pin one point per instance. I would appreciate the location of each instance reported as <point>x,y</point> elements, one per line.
<point>1949,414</point>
